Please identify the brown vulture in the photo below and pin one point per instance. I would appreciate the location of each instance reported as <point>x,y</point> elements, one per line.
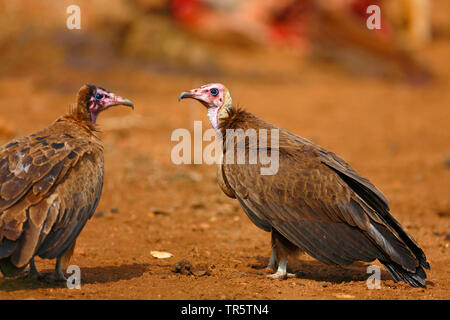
<point>50,185</point>
<point>314,203</point>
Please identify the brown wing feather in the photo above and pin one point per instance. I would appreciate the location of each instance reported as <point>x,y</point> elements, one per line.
<point>319,203</point>
<point>48,180</point>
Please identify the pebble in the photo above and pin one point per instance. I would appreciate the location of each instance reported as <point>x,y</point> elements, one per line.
<point>444,212</point>
<point>157,211</point>
<point>204,226</point>
<point>101,214</point>
<point>446,161</point>
<point>200,273</point>
<point>186,268</point>
<point>225,210</point>
<point>197,205</point>
<point>161,254</point>
<point>114,210</point>
<point>183,267</point>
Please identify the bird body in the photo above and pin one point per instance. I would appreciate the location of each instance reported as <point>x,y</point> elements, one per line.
<point>315,203</point>
<point>50,185</point>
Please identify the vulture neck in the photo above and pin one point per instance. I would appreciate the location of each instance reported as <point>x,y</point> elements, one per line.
<point>218,115</point>
<point>79,115</point>
<point>238,118</point>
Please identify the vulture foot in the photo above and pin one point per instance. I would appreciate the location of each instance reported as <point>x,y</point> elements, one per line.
<point>32,271</point>
<point>57,275</point>
<point>54,277</point>
<point>281,272</point>
<point>281,275</point>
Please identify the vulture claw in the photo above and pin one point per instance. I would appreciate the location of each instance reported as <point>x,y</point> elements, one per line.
<point>32,272</point>
<point>281,272</point>
<point>281,276</point>
<point>57,275</point>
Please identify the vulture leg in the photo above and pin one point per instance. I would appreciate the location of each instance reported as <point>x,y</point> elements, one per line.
<point>281,249</point>
<point>32,272</point>
<point>281,272</point>
<point>273,261</point>
<point>61,262</point>
<point>65,258</point>
<point>58,274</point>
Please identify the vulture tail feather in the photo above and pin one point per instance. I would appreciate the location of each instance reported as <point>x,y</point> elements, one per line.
<point>398,273</point>
<point>382,211</point>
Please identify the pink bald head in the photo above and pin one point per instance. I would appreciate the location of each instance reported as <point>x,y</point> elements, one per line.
<point>215,97</point>
<point>210,95</point>
<point>101,99</point>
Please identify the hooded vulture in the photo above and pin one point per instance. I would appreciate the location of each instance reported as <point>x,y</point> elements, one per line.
<point>50,185</point>
<point>314,202</point>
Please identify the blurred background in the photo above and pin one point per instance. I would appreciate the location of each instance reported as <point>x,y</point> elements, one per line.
<point>379,98</point>
<point>219,36</point>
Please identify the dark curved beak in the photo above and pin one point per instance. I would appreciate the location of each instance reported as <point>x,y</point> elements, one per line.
<point>124,102</point>
<point>185,95</point>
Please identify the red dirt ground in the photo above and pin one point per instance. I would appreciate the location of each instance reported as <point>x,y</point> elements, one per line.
<point>395,134</point>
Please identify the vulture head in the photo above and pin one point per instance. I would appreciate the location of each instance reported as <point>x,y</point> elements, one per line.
<point>93,99</point>
<point>215,97</point>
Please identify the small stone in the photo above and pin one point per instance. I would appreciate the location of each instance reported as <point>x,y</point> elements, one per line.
<point>204,226</point>
<point>447,237</point>
<point>183,267</point>
<point>225,210</point>
<point>157,211</point>
<point>444,212</point>
<point>446,161</point>
<point>161,254</point>
<point>100,214</point>
<point>200,273</point>
<point>324,285</point>
<point>114,210</point>
<point>197,205</point>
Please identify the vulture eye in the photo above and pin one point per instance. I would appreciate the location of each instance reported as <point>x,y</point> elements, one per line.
<point>98,96</point>
<point>214,92</point>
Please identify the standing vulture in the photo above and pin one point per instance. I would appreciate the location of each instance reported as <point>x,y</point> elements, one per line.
<point>315,202</point>
<point>50,185</point>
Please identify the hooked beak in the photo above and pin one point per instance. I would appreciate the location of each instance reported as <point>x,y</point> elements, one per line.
<point>113,100</point>
<point>118,100</point>
<point>194,95</point>
<point>186,94</point>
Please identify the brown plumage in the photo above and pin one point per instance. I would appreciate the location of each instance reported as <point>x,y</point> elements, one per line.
<point>315,202</point>
<point>50,185</point>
